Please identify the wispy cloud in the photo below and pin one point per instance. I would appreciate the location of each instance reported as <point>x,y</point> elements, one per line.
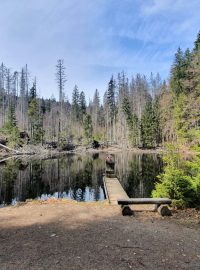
<point>95,38</point>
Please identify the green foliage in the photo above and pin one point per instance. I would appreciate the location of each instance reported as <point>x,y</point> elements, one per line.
<point>98,136</point>
<point>88,129</point>
<point>132,122</point>
<point>111,99</point>
<point>76,103</point>
<point>35,121</point>
<point>10,129</point>
<point>175,185</point>
<point>32,93</point>
<point>157,122</point>
<point>185,87</point>
<point>177,73</point>
<point>180,180</point>
<point>150,125</point>
<point>181,116</point>
<point>82,106</point>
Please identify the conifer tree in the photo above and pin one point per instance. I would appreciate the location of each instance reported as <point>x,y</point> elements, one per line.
<point>75,103</point>
<point>82,106</point>
<point>35,118</point>
<point>88,129</point>
<point>132,122</point>
<point>95,110</point>
<point>148,127</point>
<point>177,73</point>
<point>111,106</point>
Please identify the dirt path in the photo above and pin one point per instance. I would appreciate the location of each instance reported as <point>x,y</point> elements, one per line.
<point>69,235</point>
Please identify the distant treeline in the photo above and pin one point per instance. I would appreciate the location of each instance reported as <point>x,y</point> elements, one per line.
<point>136,112</point>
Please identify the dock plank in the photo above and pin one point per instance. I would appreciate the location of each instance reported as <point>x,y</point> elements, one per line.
<point>114,190</point>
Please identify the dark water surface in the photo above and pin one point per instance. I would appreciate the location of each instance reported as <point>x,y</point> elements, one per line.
<point>77,177</point>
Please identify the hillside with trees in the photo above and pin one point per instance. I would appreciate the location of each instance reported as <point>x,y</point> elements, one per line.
<point>129,114</point>
<point>140,111</point>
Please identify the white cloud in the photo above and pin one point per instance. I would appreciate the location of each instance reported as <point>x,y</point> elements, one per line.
<point>91,35</point>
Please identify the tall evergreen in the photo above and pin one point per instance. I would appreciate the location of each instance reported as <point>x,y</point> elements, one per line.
<point>35,117</point>
<point>132,122</point>
<point>148,127</point>
<point>111,99</point>
<point>88,129</point>
<point>95,110</point>
<point>75,103</point>
<point>82,106</point>
<point>177,73</point>
<point>111,108</point>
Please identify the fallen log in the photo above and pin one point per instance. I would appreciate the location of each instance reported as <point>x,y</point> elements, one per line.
<point>6,159</point>
<point>9,149</point>
<point>16,151</point>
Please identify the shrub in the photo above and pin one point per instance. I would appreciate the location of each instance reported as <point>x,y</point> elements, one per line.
<point>175,185</point>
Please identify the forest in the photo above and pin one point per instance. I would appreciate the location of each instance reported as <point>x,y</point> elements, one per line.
<point>136,112</point>
<point>129,114</point>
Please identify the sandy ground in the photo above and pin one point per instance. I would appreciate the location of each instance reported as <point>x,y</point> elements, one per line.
<point>70,235</point>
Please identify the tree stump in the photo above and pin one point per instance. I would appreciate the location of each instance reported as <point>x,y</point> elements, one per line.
<point>164,210</point>
<point>126,211</point>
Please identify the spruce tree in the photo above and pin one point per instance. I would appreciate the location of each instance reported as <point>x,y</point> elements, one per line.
<point>10,129</point>
<point>75,103</point>
<point>88,129</point>
<point>132,122</point>
<point>111,107</point>
<point>35,119</point>
<point>177,73</point>
<point>148,127</point>
<point>82,106</point>
<point>111,99</point>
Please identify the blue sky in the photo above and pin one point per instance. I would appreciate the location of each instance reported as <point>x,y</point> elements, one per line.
<point>96,38</point>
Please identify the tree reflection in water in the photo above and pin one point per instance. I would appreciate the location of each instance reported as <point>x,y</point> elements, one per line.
<point>76,177</point>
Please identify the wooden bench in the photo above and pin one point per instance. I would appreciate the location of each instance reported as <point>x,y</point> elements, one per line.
<point>160,203</point>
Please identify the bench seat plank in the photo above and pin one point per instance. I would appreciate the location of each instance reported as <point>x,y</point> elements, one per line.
<point>144,201</point>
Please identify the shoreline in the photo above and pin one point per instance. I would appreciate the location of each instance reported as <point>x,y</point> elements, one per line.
<point>183,216</point>
<point>44,153</point>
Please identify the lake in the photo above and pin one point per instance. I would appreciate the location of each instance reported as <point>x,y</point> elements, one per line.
<point>77,177</point>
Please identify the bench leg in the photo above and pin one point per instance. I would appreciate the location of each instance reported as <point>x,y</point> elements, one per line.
<point>126,211</point>
<point>164,210</point>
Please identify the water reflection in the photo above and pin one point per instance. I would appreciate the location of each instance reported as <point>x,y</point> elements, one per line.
<point>76,177</point>
<point>137,173</point>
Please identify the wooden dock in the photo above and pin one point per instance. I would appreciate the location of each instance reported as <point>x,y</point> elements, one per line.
<point>116,195</point>
<point>114,190</point>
